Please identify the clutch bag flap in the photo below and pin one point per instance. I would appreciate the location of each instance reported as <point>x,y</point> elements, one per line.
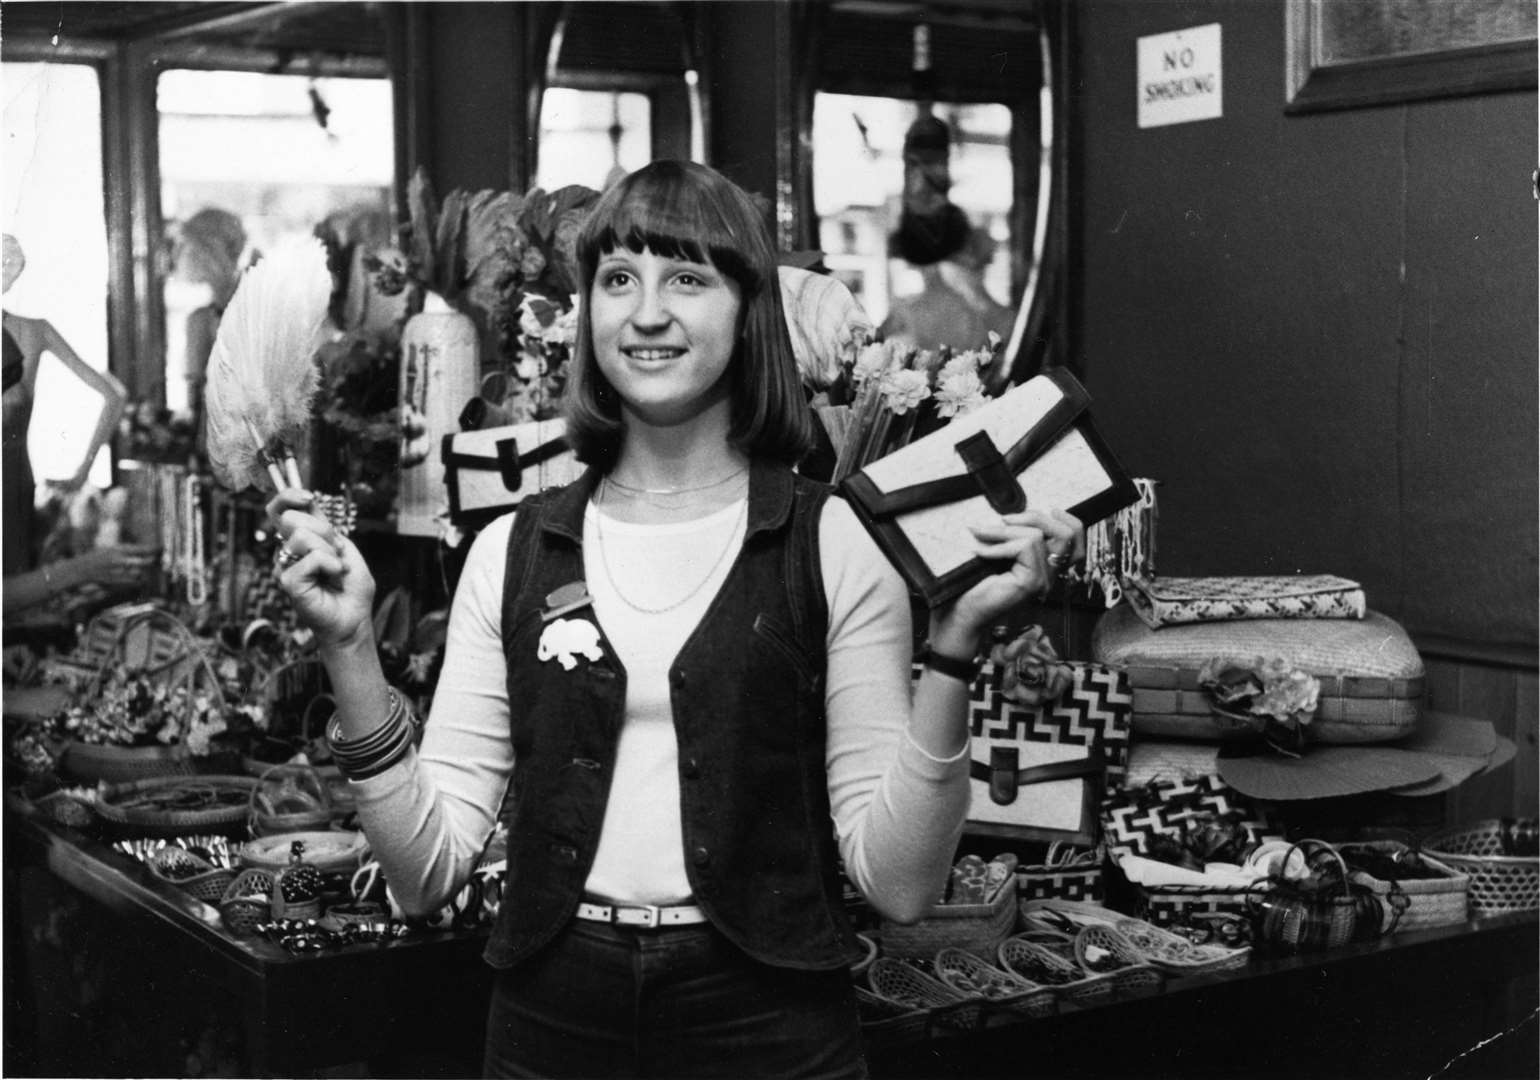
<point>490,471</point>
<point>1032,447</point>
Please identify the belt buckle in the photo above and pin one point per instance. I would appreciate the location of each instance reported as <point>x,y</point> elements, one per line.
<point>641,916</point>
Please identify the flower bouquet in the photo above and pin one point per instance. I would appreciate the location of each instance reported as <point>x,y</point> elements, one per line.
<point>899,392</point>
<point>509,262</point>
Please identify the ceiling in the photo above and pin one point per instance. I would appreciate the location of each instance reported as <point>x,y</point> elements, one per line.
<point>346,28</point>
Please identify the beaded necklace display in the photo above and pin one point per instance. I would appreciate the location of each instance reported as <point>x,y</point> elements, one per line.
<point>609,575</point>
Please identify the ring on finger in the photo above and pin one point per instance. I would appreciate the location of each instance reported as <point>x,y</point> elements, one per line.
<point>286,556</point>
<point>1061,560</point>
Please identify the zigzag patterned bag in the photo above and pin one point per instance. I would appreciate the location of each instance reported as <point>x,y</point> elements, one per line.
<point>1040,772</point>
<point>1132,818</point>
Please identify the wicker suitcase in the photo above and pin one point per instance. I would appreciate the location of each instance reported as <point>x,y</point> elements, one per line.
<point>1371,674</point>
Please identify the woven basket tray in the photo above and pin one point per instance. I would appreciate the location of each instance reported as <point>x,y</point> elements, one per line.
<point>1499,883</point>
<point>177,805</point>
<point>191,873</point>
<point>247,901</point>
<point>906,985</point>
<point>1035,962</point>
<point>978,928</point>
<point>1003,993</point>
<point>887,1023</point>
<point>1429,902</point>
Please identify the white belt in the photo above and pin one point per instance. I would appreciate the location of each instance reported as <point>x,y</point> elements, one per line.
<point>642,916</point>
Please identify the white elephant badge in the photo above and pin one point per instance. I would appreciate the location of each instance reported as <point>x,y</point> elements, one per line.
<point>566,639</point>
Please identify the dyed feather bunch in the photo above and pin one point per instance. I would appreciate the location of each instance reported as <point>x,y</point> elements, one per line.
<point>262,373</point>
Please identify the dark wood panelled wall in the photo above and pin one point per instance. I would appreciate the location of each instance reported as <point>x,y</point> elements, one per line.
<point>1319,332</point>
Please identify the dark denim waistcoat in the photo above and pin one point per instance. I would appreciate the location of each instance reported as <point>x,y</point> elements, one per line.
<point>747,691</point>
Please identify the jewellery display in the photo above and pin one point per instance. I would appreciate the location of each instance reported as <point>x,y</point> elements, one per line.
<point>604,560</point>
<point>194,565</point>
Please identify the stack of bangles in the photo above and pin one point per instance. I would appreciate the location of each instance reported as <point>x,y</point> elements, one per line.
<point>359,759</point>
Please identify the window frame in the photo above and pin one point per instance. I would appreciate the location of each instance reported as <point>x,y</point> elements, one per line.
<point>128,73</point>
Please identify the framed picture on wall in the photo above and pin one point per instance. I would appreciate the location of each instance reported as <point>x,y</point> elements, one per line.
<point>1346,54</point>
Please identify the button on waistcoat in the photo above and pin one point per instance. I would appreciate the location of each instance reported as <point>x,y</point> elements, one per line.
<point>747,692</point>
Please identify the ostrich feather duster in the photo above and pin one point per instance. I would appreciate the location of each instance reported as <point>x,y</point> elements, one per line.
<point>262,373</point>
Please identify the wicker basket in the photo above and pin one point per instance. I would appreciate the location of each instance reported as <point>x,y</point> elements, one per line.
<point>247,901</point>
<point>1105,953</point>
<point>191,873</point>
<point>1037,963</point>
<point>170,806</point>
<point>887,1023</point>
<point>978,928</point>
<point>1188,905</point>
<point>869,949</point>
<point>1175,954</point>
<point>154,642</point>
<point>290,798</point>
<point>906,985</point>
<point>1499,883</point>
<point>93,763</point>
<point>1066,873</point>
<point>1429,902</point>
<point>1003,993</point>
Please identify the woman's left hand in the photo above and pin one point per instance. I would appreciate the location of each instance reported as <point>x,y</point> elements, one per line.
<point>1040,545</point>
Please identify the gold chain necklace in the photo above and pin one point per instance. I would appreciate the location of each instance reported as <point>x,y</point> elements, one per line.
<point>609,575</point>
<point>675,490</point>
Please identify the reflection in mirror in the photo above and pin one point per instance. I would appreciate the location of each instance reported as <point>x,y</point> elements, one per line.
<point>54,208</point>
<point>931,126</point>
<point>621,89</point>
<point>858,189</point>
<point>247,160</point>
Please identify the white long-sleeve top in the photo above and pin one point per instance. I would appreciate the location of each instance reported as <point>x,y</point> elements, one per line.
<point>898,811</point>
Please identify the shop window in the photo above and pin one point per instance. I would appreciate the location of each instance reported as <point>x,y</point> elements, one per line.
<point>590,137</point>
<point>54,207</point>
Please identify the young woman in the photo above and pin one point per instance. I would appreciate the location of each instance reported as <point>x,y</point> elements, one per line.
<point>693,667</point>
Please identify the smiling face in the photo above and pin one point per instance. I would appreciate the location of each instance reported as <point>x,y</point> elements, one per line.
<point>664,331</point>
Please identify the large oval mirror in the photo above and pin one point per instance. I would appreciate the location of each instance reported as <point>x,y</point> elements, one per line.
<point>937,169</point>
<point>619,89</point>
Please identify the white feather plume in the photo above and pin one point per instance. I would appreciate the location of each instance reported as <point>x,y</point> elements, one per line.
<point>262,373</point>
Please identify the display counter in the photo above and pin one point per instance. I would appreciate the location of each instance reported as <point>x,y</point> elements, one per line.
<point>152,983</point>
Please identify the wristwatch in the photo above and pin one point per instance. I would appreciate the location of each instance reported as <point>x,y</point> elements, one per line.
<point>956,667</point>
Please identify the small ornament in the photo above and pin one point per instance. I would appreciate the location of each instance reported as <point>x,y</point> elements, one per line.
<point>565,600</point>
<point>566,639</point>
<point>297,887</point>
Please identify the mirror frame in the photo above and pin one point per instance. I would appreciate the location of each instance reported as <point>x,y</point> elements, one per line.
<point>1038,337</point>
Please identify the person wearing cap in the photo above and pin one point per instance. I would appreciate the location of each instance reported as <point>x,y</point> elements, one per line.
<point>953,307</point>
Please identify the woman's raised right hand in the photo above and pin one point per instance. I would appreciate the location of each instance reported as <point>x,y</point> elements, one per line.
<point>323,572</point>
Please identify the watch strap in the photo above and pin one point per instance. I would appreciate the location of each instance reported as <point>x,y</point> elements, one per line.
<point>956,667</point>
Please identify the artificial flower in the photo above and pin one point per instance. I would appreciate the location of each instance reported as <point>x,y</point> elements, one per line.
<point>871,362</point>
<point>959,393</point>
<point>903,389</point>
<point>1031,672</point>
<point>1271,697</point>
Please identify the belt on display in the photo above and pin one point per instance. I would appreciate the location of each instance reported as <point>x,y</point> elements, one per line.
<point>641,916</point>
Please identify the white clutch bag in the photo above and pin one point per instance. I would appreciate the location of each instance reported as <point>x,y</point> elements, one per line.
<point>489,472</point>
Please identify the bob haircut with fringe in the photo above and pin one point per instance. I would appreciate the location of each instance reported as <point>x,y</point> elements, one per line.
<point>681,210</point>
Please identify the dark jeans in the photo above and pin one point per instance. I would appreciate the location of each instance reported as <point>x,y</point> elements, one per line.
<point>603,1001</point>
